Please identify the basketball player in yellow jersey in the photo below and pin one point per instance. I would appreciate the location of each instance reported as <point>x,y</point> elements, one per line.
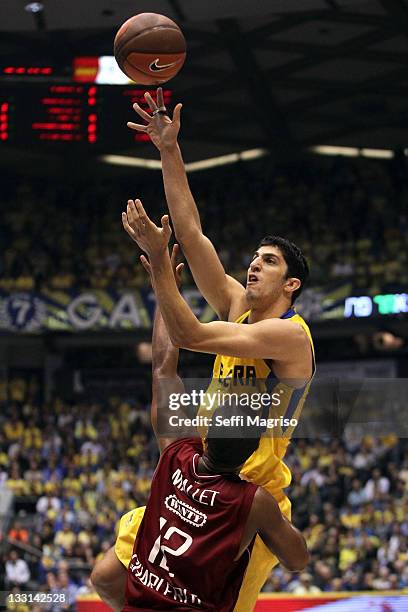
<point>259,333</point>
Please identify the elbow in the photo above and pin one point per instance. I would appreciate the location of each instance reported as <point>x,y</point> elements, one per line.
<point>298,564</point>
<point>188,238</point>
<point>189,339</point>
<point>99,578</point>
<point>178,339</point>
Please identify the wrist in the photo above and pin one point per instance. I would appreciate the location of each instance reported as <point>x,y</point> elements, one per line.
<point>168,149</point>
<point>156,257</point>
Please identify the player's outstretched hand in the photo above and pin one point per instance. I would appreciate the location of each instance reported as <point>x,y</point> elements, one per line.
<point>151,239</point>
<point>162,130</point>
<point>177,268</point>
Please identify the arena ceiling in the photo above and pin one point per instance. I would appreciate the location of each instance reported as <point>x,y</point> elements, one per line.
<point>281,74</point>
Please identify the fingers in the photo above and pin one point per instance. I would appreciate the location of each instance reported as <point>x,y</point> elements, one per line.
<point>137,126</point>
<point>146,264</point>
<point>177,113</point>
<point>165,221</point>
<point>132,214</point>
<point>174,254</point>
<point>141,213</point>
<point>160,99</point>
<point>142,112</point>
<point>127,227</point>
<point>136,217</point>
<point>152,104</point>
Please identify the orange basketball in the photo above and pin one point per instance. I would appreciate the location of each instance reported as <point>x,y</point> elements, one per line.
<point>150,48</point>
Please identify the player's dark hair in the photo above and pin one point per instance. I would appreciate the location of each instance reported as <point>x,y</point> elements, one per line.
<point>228,447</point>
<point>230,453</point>
<point>294,258</point>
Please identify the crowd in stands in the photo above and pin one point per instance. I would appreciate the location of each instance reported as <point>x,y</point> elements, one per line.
<point>61,236</point>
<point>350,499</point>
<point>75,467</point>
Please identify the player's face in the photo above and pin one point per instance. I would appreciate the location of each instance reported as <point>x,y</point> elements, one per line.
<point>266,275</point>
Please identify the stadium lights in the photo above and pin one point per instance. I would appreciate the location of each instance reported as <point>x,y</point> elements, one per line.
<point>34,7</point>
<point>354,152</point>
<point>331,150</point>
<point>204,164</point>
<point>127,160</point>
<point>377,153</point>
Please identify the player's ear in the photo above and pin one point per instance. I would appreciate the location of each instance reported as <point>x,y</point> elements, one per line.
<point>292,284</point>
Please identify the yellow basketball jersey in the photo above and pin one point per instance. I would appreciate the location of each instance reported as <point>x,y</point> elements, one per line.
<point>265,467</point>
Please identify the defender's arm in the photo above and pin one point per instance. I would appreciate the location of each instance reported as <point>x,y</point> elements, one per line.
<point>279,535</point>
<point>164,359</point>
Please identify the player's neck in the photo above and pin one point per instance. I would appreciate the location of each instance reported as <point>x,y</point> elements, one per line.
<point>274,311</point>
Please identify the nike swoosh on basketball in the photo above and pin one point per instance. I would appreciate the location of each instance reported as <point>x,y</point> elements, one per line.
<point>156,67</point>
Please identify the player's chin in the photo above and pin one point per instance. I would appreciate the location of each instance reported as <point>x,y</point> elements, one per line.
<point>251,290</point>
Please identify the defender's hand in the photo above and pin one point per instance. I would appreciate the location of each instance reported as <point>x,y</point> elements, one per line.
<point>150,238</point>
<point>162,130</point>
<point>177,268</point>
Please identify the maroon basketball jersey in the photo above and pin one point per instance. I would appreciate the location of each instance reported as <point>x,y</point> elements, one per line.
<point>183,557</point>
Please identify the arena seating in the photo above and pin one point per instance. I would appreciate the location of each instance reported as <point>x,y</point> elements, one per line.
<point>61,236</point>
<point>75,467</point>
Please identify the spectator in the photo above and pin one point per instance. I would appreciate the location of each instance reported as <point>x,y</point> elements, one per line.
<point>357,495</point>
<point>377,487</point>
<point>305,585</point>
<point>17,532</point>
<point>17,572</point>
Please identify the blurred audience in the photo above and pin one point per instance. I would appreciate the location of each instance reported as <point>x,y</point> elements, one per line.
<point>91,461</point>
<point>347,215</point>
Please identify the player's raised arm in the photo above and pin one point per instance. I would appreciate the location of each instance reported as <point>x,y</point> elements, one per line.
<point>164,358</point>
<point>216,286</point>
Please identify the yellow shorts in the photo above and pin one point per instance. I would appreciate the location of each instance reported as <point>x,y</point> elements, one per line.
<point>259,567</point>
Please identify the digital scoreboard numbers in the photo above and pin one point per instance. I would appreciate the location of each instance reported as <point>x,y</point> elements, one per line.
<point>5,124</point>
<point>90,115</point>
<point>58,114</point>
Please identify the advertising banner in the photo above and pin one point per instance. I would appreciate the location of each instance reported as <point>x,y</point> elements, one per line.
<point>107,310</point>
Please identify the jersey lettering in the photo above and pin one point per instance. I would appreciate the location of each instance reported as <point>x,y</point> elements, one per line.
<point>240,373</point>
<point>176,552</point>
<point>202,496</point>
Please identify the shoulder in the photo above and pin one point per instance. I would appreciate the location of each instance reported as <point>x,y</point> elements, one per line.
<point>265,507</point>
<point>287,329</point>
<point>238,302</point>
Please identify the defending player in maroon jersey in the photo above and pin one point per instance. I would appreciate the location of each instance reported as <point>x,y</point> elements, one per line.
<point>191,533</point>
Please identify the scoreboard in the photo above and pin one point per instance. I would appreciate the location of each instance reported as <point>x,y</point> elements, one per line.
<point>91,115</point>
<point>39,107</point>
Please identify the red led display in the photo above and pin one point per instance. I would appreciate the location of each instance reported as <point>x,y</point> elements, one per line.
<point>88,114</point>
<point>59,115</point>
<point>4,121</point>
<point>29,70</point>
<point>92,116</point>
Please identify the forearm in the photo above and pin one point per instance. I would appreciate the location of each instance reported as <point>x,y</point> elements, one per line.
<point>182,207</point>
<point>114,600</point>
<point>180,321</point>
<point>290,547</point>
<point>109,580</point>
<point>164,353</point>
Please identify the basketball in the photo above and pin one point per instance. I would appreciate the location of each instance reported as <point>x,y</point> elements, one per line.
<point>150,48</point>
